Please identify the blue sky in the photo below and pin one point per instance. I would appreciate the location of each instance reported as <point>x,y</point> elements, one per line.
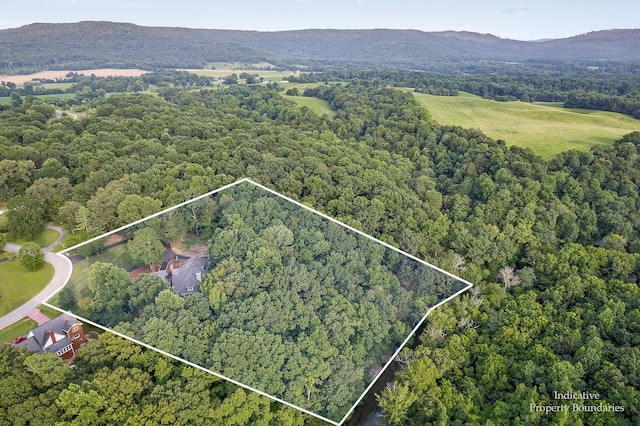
<point>522,20</point>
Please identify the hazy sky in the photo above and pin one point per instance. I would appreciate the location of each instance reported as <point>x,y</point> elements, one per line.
<point>523,20</point>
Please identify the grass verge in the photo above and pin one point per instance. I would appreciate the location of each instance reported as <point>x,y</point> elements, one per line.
<point>71,240</point>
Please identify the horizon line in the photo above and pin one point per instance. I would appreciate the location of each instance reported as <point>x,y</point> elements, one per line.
<point>543,39</point>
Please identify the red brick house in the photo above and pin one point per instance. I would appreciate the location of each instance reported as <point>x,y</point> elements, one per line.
<point>62,336</point>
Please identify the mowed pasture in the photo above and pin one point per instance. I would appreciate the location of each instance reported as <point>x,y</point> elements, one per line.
<point>546,128</point>
<point>316,105</point>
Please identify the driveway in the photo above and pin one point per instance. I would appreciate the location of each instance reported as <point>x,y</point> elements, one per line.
<point>62,272</point>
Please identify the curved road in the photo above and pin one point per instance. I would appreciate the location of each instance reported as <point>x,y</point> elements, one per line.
<point>62,271</point>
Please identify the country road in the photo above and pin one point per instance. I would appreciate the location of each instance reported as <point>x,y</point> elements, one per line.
<point>62,271</point>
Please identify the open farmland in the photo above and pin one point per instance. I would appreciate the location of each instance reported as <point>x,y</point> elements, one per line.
<point>52,75</point>
<point>547,129</point>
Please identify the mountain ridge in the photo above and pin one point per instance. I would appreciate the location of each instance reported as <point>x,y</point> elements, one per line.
<point>104,43</point>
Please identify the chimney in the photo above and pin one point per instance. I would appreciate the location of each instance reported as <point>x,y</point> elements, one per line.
<point>53,337</point>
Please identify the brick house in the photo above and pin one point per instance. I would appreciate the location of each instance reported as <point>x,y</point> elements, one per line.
<point>62,336</point>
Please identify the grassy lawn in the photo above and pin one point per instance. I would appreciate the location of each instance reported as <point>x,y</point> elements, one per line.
<point>316,105</point>
<point>44,239</point>
<point>78,282</point>
<point>19,285</point>
<point>71,240</point>
<point>48,312</point>
<point>546,128</point>
<point>19,328</point>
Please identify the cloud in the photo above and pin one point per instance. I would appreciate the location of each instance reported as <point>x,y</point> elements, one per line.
<point>308,1</point>
<point>517,9</point>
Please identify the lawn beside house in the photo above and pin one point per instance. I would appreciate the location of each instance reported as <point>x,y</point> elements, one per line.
<point>18,328</point>
<point>18,285</point>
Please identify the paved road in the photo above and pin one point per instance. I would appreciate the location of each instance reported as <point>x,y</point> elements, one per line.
<point>62,271</point>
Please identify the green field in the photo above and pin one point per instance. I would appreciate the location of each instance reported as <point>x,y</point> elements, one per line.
<point>43,239</point>
<point>18,285</point>
<point>6,100</point>
<point>546,128</point>
<point>237,65</point>
<point>267,75</point>
<point>62,86</point>
<point>316,105</point>
<point>78,281</point>
<point>18,328</point>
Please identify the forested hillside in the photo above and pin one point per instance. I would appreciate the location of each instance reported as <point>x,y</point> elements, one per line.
<point>553,247</point>
<point>108,44</point>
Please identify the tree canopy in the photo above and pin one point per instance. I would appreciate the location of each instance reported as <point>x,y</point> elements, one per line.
<point>569,228</point>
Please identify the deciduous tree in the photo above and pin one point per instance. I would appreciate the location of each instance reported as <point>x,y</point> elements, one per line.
<point>31,256</point>
<point>146,247</point>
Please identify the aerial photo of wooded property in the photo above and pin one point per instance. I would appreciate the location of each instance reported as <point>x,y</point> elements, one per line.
<point>246,284</point>
<point>264,223</point>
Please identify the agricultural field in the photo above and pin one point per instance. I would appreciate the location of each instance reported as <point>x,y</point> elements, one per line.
<point>237,65</point>
<point>267,75</point>
<point>546,128</point>
<point>60,74</point>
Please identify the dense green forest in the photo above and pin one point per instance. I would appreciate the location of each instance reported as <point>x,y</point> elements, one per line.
<point>553,247</point>
<point>118,382</point>
<point>121,45</point>
<point>294,305</point>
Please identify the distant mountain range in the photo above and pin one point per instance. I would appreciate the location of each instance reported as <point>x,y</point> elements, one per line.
<point>99,44</point>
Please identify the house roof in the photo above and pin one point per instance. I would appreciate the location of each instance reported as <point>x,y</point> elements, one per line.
<point>39,339</point>
<point>189,275</point>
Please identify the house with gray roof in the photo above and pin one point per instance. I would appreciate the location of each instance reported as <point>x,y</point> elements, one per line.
<point>62,336</point>
<point>187,277</point>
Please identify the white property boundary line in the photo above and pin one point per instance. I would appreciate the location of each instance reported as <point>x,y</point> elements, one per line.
<point>299,204</point>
